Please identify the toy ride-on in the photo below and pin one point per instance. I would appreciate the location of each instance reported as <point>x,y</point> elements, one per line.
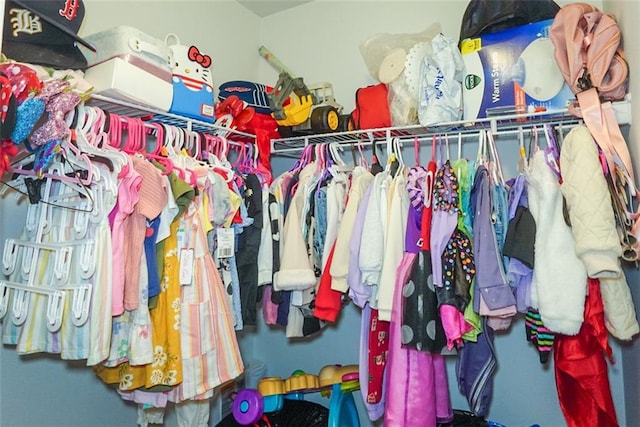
<point>334,381</point>
<point>302,108</point>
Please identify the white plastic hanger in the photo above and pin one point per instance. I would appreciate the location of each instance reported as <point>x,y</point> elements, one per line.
<point>391,157</point>
<point>81,301</point>
<point>496,165</point>
<point>446,142</point>
<point>523,164</point>
<point>90,138</point>
<point>482,140</point>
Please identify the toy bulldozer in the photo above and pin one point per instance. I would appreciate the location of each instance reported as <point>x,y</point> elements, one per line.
<point>310,109</point>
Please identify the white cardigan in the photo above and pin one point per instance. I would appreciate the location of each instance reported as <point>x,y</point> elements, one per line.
<point>589,205</point>
<point>593,225</point>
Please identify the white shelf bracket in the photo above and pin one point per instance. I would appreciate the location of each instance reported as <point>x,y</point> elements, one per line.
<point>493,125</point>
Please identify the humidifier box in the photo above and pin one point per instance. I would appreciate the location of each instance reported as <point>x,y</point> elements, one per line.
<point>512,71</point>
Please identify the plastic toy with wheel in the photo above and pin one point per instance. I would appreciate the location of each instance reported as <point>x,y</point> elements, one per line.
<point>301,108</point>
<point>250,406</point>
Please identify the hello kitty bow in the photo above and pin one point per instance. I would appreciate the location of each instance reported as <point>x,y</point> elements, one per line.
<point>195,55</point>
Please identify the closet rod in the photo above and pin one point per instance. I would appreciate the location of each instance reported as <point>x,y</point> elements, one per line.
<point>466,134</point>
<point>497,124</point>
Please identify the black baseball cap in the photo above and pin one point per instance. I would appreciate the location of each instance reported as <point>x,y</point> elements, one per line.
<point>44,32</point>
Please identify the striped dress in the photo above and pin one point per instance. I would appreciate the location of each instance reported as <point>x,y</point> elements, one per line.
<point>210,352</point>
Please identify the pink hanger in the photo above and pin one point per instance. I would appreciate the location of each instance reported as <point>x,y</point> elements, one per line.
<point>241,155</point>
<point>134,142</point>
<point>115,131</point>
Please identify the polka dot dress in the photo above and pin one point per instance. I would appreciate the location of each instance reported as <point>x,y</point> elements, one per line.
<point>421,324</point>
<point>458,271</point>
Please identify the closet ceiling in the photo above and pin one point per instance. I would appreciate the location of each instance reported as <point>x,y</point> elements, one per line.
<point>269,7</point>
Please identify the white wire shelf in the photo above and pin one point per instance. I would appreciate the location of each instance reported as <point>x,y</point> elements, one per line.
<point>146,113</point>
<point>499,124</point>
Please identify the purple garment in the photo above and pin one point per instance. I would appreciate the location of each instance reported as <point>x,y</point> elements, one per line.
<point>445,217</point>
<point>359,292</point>
<point>491,282</point>
<point>112,214</point>
<point>517,196</point>
<point>283,308</point>
<point>414,224</point>
<point>152,399</point>
<point>520,277</point>
<point>443,224</point>
<point>418,396</point>
<point>374,410</point>
<point>475,367</point>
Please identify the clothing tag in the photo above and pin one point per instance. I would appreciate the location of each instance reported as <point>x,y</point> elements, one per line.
<point>226,242</point>
<point>186,266</point>
<point>180,236</point>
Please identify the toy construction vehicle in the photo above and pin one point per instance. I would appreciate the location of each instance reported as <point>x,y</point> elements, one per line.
<point>311,109</point>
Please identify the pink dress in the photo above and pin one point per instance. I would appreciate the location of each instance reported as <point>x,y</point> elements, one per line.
<point>417,392</point>
<point>127,199</point>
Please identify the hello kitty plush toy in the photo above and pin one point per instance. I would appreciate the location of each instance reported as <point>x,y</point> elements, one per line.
<point>192,82</point>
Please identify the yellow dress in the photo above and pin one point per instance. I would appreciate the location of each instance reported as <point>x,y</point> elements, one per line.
<point>166,368</point>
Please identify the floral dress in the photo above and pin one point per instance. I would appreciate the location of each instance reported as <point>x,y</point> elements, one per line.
<point>166,368</point>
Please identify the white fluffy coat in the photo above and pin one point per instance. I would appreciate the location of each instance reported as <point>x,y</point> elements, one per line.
<point>559,283</point>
